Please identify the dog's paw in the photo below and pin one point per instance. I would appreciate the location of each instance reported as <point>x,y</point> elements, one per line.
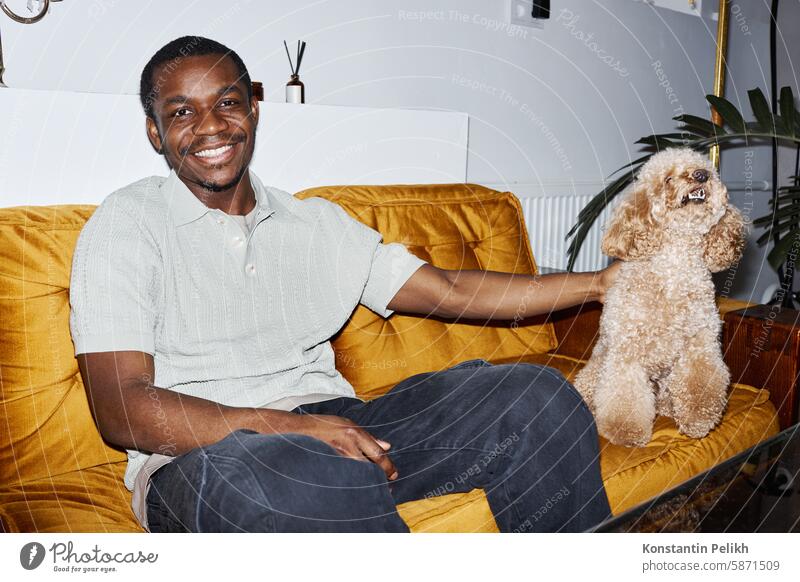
<point>625,429</point>
<point>697,428</point>
<point>701,415</point>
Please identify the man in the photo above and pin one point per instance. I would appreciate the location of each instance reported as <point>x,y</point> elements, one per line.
<point>202,305</point>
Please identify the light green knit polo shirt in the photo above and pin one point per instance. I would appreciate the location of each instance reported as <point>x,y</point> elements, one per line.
<point>243,320</point>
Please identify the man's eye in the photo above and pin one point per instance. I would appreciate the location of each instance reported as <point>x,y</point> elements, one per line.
<point>228,102</point>
<point>182,112</point>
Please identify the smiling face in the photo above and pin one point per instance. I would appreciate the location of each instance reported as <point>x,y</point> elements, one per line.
<point>204,125</point>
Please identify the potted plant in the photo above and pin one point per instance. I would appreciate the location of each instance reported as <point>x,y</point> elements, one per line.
<point>782,225</point>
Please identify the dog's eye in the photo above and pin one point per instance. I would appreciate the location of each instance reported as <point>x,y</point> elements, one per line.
<point>668,180</point>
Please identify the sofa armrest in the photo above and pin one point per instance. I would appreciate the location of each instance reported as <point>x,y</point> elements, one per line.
<point>761,346</point>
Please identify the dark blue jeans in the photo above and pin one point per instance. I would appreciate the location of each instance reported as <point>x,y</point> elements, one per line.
<point>520,432</point>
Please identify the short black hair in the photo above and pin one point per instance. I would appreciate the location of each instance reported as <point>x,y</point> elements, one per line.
<point>172,53</point>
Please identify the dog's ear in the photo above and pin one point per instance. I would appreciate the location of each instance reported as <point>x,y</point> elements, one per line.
<point>725,241</point>
<point>634,231</point>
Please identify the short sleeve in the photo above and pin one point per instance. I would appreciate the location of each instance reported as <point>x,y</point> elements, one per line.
<point>115,283</point>
<point>392,266</point>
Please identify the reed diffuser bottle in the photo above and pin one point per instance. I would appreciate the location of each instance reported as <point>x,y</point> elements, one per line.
<point>295,90</point>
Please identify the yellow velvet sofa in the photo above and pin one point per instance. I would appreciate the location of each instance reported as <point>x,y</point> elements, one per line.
<point>58,475</point>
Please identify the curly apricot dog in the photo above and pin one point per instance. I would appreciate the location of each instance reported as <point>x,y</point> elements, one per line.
<point>658,351</point>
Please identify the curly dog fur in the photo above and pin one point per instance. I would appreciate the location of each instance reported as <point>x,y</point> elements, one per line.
<point>658,351</point>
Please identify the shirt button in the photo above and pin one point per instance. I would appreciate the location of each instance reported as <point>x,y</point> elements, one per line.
<point>237,241</point>
<point>251,268</point>
<point>221,220</point>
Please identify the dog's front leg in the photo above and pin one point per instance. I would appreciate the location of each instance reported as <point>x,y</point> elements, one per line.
<point>698,385</point>
<point>625,406</point>
<point>589,377</point>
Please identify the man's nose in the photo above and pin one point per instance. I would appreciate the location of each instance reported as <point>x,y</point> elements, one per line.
<point>700,175</point>
<point>211,124</point>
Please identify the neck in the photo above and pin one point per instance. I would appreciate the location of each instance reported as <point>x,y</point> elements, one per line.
<point>685,247</point>
<point>240,198</point>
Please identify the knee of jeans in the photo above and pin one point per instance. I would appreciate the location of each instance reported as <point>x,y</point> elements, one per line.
<point>547,391</point>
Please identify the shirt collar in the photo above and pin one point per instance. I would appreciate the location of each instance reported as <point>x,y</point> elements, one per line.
<point>185,207</point>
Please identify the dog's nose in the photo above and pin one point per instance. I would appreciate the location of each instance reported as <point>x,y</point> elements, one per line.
<point>700,175</point>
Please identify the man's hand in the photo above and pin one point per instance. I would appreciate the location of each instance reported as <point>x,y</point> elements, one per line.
<point>606,279</point>
<point>348,438</point>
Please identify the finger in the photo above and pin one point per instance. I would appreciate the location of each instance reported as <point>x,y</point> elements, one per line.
<point>375,453</point>
<point>384,445</point>
<point>352,451</point>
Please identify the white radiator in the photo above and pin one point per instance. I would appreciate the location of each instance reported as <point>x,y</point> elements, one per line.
<point>549,216</point>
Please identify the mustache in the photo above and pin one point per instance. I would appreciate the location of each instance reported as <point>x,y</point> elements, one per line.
<point>231,139</point>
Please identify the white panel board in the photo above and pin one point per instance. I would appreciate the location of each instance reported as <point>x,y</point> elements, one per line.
<point>301,146</point>
<point>67,148</point>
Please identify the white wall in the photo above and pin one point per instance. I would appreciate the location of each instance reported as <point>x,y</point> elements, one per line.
<point>525,89</point>
<point>545,105</point>
<point>92,144</point>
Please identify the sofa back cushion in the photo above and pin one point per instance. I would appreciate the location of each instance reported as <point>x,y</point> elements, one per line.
<point>47,428</point>
<point>452,226</point>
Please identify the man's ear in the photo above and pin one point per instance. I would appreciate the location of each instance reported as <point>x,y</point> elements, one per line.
<point>153,135</point>
<point>254,109</point>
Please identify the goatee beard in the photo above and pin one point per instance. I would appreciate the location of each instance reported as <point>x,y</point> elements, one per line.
<point>216,187</point>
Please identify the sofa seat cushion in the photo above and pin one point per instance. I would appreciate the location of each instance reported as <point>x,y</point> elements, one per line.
<point>95,499</point>
<point>453,513</point>
<point>91,500</point>
<point>632,475</point>
<point>452,226</point>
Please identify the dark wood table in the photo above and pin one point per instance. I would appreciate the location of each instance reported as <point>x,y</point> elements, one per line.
<point>763,343</point>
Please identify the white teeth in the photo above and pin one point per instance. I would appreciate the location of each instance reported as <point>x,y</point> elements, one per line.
<point>213,153</point>
<point>698,195</point>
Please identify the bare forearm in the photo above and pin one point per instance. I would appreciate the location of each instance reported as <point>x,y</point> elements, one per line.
<point>505,296</point>
<point>156,420</point>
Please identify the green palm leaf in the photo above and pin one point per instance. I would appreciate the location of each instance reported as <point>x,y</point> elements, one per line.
<point>761,110</point>
<point>728,111</point>
<point>699,126</point>
<point>702,134</point>
<point>777,256</point>
<point>781,213</point>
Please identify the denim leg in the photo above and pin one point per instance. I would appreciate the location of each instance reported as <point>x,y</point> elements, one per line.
<point>519,431</point>
<point>270,483</point>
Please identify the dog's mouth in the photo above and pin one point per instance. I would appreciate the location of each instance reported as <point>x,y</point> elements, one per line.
<point>695,196</point>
